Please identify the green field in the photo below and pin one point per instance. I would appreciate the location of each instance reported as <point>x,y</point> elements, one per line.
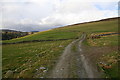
<point>111,40</point>
<point>25,59</point>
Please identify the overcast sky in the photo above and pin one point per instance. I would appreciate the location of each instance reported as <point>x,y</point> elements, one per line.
<point>30,15</point>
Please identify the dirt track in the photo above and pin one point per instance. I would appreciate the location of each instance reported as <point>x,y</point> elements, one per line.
<point>73,64</point>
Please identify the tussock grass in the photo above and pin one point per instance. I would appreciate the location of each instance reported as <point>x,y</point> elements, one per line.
<point>109,64</point>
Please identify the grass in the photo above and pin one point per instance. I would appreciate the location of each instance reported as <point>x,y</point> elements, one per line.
<point>74,48</point>
<point>25,59</point>
<point>104,26</point>
<point>111,40</point>
<point>110,59</point>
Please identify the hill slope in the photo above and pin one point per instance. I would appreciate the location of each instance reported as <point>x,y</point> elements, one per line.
<point>72,31</point>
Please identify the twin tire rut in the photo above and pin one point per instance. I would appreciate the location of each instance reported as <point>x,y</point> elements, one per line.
<point>72,63</point>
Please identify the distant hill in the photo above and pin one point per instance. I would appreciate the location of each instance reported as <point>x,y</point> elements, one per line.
<point>8,34</point>
<point>34,31</point>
